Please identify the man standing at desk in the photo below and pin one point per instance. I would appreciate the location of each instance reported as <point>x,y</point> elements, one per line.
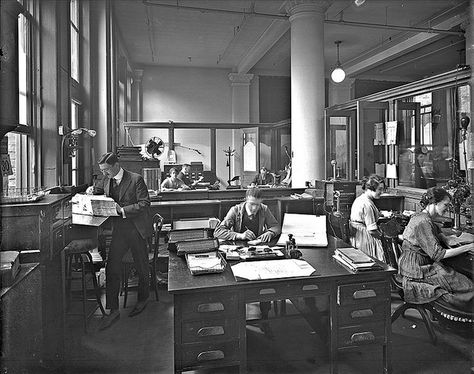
<point>130,230</point>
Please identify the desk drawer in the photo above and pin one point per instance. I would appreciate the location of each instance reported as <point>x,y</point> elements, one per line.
<point>267,292</point>
<point>210,330</point>
<point>362,292</point>
<point>365,334</point>
<point>357,314</point>
<point>210,353</point>
<point>208,306</point>
<point>308,287</point>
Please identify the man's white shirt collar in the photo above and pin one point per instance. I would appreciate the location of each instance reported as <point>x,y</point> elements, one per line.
<point>118,177</point>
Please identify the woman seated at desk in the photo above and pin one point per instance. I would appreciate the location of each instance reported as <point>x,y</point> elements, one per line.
<point>365,234</point>
<point>173,182</point>
<point>425,278</point>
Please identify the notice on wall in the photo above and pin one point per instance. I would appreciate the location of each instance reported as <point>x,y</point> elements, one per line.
<point>391,132</point>
<point>379,138</point>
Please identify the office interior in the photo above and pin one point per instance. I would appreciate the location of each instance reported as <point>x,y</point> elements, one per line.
<point>227,87</point>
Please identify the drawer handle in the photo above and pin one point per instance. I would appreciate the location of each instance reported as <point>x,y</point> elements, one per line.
<point>210,331</point>
<point>361,337</point>
<point>210,355</point>
<point>310,287</point>
<point>210,307</point>
<point>362,313</point>
<point>267,291</point>
<point>363,294</point>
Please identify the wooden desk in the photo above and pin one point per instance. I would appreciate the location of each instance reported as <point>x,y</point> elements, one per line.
<point>210,317</point>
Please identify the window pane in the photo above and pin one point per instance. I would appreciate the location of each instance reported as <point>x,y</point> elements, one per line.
<point>74,54</point>
<point>74,5</point>
<point>22,69</point>
<point>75,154</point>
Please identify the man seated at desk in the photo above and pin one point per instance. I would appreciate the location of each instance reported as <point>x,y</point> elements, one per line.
<point>173,183</point>
<point>264,178</point>
<point>130,230</point>
<point>184,176</point>
<point>250,220</point>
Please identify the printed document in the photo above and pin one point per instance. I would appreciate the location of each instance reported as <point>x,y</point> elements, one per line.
<point>307,229</point>
<point>270,269</point>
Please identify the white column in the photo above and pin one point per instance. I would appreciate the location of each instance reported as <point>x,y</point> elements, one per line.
<point>240,97</point>
<point>240,84</point>
<point>307,89</point>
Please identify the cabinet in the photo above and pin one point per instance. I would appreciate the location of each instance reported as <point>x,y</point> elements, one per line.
<point>42,225</point>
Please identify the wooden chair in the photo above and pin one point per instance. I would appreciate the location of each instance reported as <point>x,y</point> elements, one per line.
<point>127,261</point>
<point>438,308</point>
<point>78,260</point>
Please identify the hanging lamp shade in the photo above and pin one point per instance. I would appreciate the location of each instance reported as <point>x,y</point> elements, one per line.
<point>338,74</point>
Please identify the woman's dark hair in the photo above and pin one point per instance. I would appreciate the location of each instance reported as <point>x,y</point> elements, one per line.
<point>172,170</point>
<point>372,182</point>
<point>434,195</point>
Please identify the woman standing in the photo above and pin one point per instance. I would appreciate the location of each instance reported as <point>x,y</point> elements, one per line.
<point>425,278</point>
<point>366,235</point>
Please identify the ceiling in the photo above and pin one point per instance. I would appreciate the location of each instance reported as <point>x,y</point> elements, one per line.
<point>253,36</point>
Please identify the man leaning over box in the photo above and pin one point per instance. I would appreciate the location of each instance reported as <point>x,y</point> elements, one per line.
<point>129,230</point>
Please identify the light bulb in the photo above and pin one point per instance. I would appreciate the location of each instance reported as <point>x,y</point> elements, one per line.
<point>338,75</point>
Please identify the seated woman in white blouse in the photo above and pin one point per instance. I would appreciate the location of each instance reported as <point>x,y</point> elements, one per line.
<point>366,235</point>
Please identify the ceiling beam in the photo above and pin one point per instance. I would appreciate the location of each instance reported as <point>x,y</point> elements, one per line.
<point>386,53</point>
<point>265,42</point>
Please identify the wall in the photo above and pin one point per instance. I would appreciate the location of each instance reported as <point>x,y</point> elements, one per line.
<point>188,95</point>
<point>364,87</point>
<point>275,98</point>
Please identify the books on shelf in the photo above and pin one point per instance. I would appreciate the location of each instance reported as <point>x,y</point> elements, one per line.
<point>355,259</point>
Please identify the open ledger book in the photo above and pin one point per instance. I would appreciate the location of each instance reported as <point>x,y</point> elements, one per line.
<point>307,229</point>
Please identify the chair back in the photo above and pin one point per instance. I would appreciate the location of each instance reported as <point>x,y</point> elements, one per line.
<point>157,224</point>
<point>339,225</point>
<point>390,241</point>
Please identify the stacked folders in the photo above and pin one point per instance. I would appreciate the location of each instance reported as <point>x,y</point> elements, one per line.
<point>355,259</point>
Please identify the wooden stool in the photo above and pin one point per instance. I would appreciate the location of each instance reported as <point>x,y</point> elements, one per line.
<point>78,259</point>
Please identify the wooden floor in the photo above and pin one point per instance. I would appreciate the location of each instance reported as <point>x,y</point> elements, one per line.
<point>144,345</point>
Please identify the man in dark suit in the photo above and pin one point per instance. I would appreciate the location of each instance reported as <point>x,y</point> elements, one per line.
<point>129,230</point>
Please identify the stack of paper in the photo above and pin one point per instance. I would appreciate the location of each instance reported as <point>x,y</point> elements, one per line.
<point>204,263</point>
<point>307,229</point>
<point>256,270</point>
<point>355,259</point>
<point>93,205</point>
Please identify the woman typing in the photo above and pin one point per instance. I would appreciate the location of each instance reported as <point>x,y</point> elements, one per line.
<point>366,235</point>
<point>425,278</point>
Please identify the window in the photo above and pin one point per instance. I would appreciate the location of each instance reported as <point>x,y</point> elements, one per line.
<point>431,144</point>
<point>21,146</point>
<point>74,18</point>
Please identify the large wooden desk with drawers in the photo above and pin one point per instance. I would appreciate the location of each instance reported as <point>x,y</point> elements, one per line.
<point>210,316</point>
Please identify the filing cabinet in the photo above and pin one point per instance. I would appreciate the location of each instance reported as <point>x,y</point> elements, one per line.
<point>362,310</point>
<point>210,331</point>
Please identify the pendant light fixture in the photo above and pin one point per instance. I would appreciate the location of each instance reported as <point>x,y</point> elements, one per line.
<point>338,74</point>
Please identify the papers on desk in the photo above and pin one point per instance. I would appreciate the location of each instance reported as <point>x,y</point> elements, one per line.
<point>252,253</point>
<point>205,263</point>
<point>355,259</point>
<point>93,205</point>
<point>307,229</point>
<point>257,270</point>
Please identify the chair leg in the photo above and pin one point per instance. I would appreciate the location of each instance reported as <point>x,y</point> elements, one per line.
<point>97,291</point>
<point>429,325</point>
<point>84,293</point>
<point>126,274</point>
<point>399,311</point>
<point>153,280</point>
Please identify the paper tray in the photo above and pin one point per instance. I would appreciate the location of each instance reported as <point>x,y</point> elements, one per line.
<point>206,270</point>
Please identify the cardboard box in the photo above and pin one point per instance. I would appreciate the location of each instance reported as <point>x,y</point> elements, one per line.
<point>93,205</point>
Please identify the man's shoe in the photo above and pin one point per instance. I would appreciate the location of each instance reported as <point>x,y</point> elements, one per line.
<point>138,308</point>
<point>109,320</point>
